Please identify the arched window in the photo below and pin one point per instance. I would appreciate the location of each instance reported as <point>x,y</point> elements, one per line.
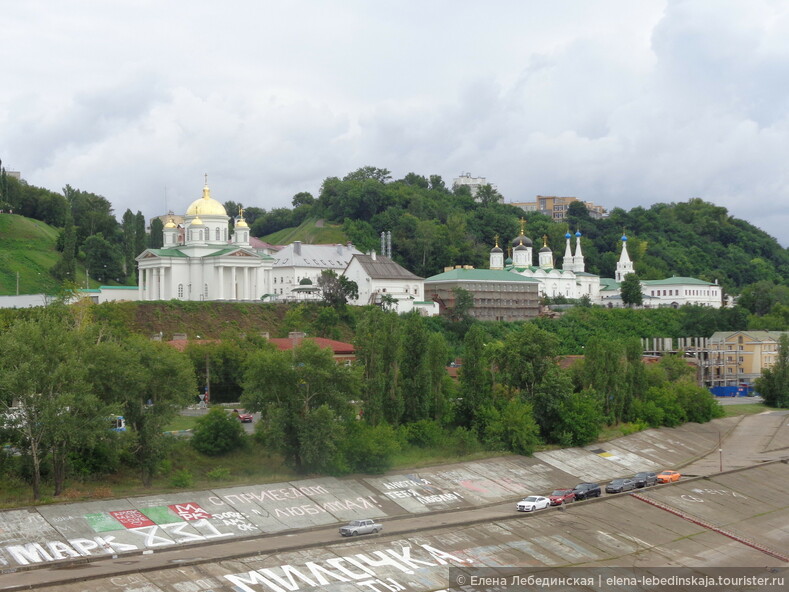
<point>205,289</point>
<point>180,290</point>
<point>217,234</point>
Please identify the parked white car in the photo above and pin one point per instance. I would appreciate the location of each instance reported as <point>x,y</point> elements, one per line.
<point>533,502</point>
<point>357,527</point>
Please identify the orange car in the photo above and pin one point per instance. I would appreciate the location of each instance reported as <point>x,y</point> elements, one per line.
<point>668,476</point>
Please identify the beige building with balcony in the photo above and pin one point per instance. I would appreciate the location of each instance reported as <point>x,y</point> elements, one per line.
<point>556,207</point>
<point>739,357</point>
<point>727,358</point>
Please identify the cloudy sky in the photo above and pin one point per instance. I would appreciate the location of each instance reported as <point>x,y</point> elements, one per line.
<point>618,102</point>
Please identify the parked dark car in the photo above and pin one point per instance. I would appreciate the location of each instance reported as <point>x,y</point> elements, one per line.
<point>561,496</point>
<point>620,485</point>
<point>586,490</point>
<point>645,479</point>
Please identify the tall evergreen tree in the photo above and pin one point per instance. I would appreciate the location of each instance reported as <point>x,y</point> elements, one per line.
<point>129,232</point>
<point>414,371</point>
<point>65,268</point>
<point>476,384</point>
<point>140,238</point>
<point>376,341</point>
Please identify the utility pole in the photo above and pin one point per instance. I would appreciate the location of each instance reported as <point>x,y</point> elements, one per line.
<point>207,381</point>
<point>720,451</point>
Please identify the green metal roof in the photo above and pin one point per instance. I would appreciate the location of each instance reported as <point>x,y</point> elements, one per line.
<point>479,275</point>
<point>119,288</point>
<point>673,281</point>
<point>166,252</point>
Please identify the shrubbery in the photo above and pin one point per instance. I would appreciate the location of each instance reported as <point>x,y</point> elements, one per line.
<point>217,433</point>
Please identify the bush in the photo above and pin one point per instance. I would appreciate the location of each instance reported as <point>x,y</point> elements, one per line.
<point>219,474</point>
<point>425,433</point>
<point>182,479</point>
<point>217,433</point>
<point>464,441</point>
<point>369,449</point>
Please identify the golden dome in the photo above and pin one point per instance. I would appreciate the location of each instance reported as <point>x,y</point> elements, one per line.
<point>206,206</point>
<point>197,222</point>
<point>170,224</point>
<point>242,224</point>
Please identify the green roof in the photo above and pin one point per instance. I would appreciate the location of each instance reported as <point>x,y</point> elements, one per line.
<point>479,275</point>
<point>234,249</point>
<point>673,281</point>
<point>119,288</point>
<point>166,252</point>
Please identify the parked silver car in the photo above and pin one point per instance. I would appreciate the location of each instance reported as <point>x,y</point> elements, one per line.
<point>620,485</point>
<point>356,527</point>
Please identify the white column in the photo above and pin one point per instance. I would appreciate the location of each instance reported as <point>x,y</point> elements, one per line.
<point>233,287</point>
<point>247,293</point>
<point>141,285</point>
<point>221,276</point>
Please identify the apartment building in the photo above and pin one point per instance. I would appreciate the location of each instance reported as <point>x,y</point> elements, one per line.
<point>556,207</point>
<point>727,358</point>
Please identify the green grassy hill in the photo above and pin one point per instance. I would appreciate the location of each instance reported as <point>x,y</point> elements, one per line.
<point>312,231</point>
<point>27,248</point>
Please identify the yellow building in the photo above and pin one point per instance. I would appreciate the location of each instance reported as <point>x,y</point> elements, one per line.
<point>556,207</point>
<point>738,358</point>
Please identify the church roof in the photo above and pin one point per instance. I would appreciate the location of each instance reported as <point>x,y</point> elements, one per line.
<point>383,268</point>
<point>228,250</point>
<point>673,281</point>
<point>298,254</point>
<point>166,252</point>
<point>479,275</point>
<point>206,206</point>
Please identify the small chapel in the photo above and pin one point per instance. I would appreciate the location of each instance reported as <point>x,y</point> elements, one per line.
<point>199,260</point>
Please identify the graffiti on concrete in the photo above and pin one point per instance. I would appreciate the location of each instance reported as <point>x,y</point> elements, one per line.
<point>361,569</point>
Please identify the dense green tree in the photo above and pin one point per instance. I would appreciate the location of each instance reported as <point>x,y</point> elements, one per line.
<point>440,385</point>
<point>464,302</point>
<point>129,233</point>
<point>156,238</point>
<point>65,268</point>
<point>217,433</point>
<point>476,382</point>
<point>414,378</point>
<point>337,290</point>
<point>369,449</point>
<point>773,384</point>
<point>48,406</point>
<point>487,194</point>
<point>376,341</point>
<point>630,289</point>
<point>151,382</point>
<point>102,259</point>
<point>219,363</point>
<point>580,419</point>
<point>288,387</point>
<point>527,356</point>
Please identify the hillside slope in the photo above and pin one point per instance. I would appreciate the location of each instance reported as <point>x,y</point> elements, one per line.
<point>27,248</point>
<point>312,231</point>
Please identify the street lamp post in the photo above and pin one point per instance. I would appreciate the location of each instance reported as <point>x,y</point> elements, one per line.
<point>720,452</point>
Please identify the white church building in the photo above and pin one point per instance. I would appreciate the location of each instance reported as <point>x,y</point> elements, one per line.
<point>201,261</point>
<point>573,282</point>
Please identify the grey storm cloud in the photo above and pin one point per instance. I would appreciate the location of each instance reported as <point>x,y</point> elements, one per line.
<point>621,102</point>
